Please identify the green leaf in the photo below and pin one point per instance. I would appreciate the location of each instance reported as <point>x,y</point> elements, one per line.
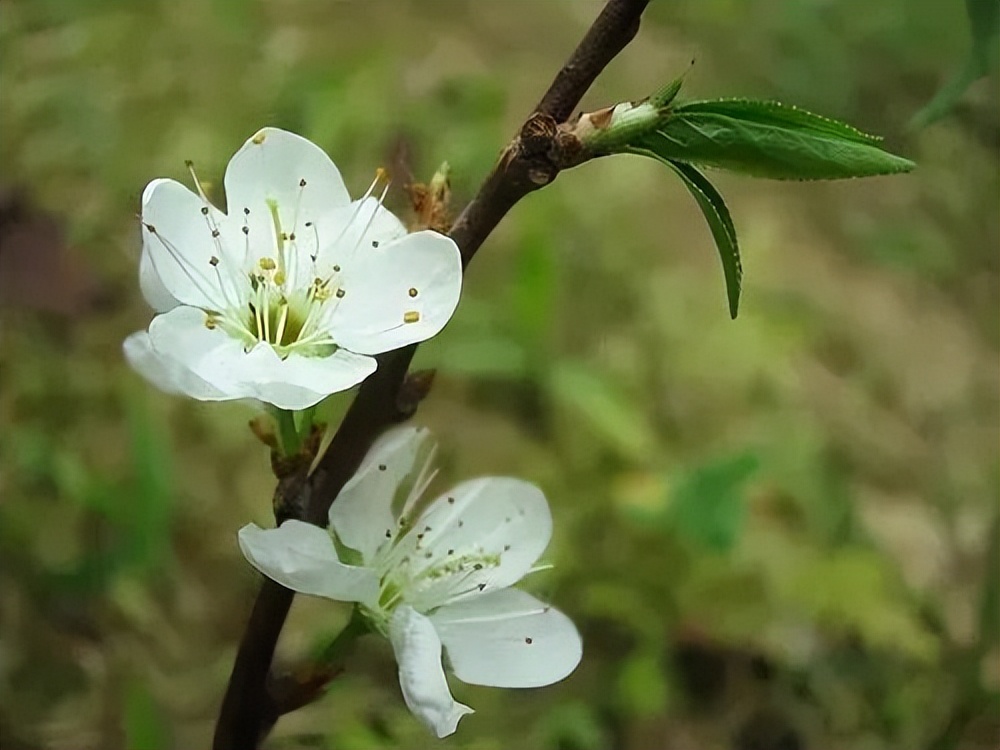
<point>779,115</point>
<point>707,506</point>
<point>989,602</point>
<point>767,139</point>
<point>641,688</point>
<point>145,724</point>
<point>716,213</point>
<point>664,96</point>
<point>602,404</point>
<point>984,20</point>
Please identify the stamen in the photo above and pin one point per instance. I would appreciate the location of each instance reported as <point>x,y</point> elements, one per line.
<point>197,183</point>
<point>180,261</point>
<point>281,323</point>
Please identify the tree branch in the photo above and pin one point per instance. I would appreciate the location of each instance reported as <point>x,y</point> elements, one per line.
<point>532,160</point>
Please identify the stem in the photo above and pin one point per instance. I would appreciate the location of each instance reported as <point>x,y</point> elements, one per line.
<point>288,435</point>
<point>337,650</point>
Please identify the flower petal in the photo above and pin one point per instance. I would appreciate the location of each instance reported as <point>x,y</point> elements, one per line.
<point>346,231</point>
<point>153,291</point>
<point>302,557</point>
<point>398,294</point>
<point>270,169</point>
<point>421,676</point>
<point>298,382</point>
<point>166,374</point>
<point>363,515</point>
<point>502,517</point>
<point>179,245</point>
<point>508,639</point>
<point>181,337</point>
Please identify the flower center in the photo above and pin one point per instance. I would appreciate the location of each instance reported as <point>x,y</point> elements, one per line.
<point>425,573</point>
<point>274,308</point>
<point>289,319</point>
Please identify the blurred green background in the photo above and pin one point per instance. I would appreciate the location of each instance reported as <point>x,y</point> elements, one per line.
<point>774,533</point>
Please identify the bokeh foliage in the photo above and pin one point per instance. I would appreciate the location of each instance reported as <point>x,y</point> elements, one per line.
<point>773,533</point>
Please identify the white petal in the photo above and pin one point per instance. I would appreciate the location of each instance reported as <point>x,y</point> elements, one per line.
<point>179,246</point>
<point>508,639</point>
<point>153,291</point>
<point>302,557</point>
<point>417,278</point>
<point>363,512</point>
<point>500,516</point>
<point>298,382</point>
<point>180,336</point>
<point>345,232</point>
<point>166,374</point>
<point>270,167</point>
<point>421,676</point>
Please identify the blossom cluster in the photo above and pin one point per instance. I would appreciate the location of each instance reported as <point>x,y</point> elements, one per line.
<point>285,298</point>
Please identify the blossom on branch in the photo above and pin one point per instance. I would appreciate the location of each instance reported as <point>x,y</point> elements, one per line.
<point>428,575</point>
<point>286,296</point>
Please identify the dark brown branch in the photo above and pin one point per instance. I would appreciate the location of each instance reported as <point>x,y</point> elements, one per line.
<point>614,28</point>
<point>530,161</point>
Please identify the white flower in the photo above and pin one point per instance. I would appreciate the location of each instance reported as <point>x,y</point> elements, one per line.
<point>439,576</point>
<point>285,297</point>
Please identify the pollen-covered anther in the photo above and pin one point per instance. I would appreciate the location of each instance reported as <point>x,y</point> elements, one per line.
<point>411,317</point>
<point>267,264</point>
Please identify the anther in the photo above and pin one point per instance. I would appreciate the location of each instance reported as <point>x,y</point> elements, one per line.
<point>204,210</point>
<point>528,641</point>
<point>411,317</point>
<point>381,467</point>
<point>246,211</point>
<point>375,243</point>
<point>451,501</point>
<point>309,223</point>
<point>259,137</point>
<point>267,264</point>
<point>292,236</point>
<point>340,292</point>
<point>388,534</point>
<point>302,182</point>
<point>482,586</point>
<point>215,233</point>
<point>412,292</point>
<point>213,261</point>
<point>506,548</point>
<point>246,230</point>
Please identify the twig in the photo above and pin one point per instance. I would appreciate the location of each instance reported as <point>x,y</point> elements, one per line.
<point>530,161</point>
